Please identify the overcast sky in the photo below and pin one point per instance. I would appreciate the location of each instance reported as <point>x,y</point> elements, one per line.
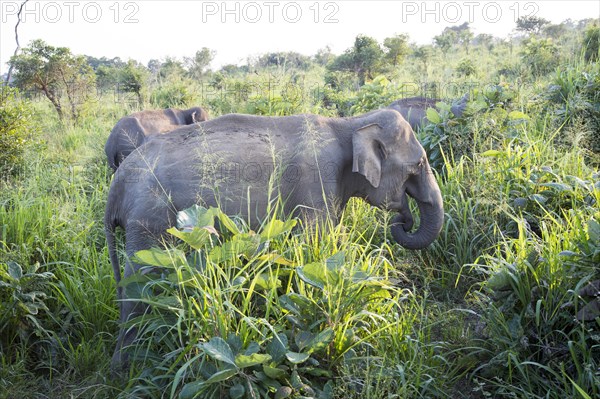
<point>146,29</point>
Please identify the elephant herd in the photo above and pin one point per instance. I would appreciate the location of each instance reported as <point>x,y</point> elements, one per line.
<point>168,160</point>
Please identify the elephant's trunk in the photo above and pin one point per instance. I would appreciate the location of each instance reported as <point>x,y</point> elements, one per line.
<point>432,219</point>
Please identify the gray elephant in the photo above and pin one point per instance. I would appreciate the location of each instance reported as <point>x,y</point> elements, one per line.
<point>414,109</point>
<point>316,163</point>
<point>131,131</point>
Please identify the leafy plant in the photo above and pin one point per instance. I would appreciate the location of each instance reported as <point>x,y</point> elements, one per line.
<point>247,321</point>
<point>22,302</point>
<point>17,130</point>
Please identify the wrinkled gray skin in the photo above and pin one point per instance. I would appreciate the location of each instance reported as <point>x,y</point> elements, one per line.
<point>131,131</point>
<point>228,162</point>
<point>414,109</point>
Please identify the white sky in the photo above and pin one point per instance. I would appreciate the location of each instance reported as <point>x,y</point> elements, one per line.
<point>146,29</point>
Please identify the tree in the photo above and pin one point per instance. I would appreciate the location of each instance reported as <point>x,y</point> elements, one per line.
<point>460,34</point>
<point>55,72</point>
<point>10,69</point>
<point>466,68</point>
<point>423,53</point>
<point>284,60</point>
<point>132,79</point>
<point>445,41</point>
<point>171,68</point>
<point>591,43</point>
<point>397,48</point>
<point>197,65</point>
<point>463,35</point>
<point>485,40</point>
<point>324,56</point>
<point>17,130</point>
<point>364,59</point>
<point>531,24</point>
<point>541,55</point>
<point>554,31</point>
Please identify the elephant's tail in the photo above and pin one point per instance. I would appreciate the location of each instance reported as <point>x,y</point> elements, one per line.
<point>109,231</point>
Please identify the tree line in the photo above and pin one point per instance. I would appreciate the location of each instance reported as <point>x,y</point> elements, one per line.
<point>68,80</point>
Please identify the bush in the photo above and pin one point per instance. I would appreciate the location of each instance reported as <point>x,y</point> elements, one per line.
<point>16,130</point>
<point>591,43</point>
<point>466,68</point>
<point>574,100</point>
<point>171,95</point>
<point>542,55</point>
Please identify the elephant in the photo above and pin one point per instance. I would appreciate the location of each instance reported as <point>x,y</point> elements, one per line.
<point>242,162</point>
<point>414,109</point>
<point>131,131</point>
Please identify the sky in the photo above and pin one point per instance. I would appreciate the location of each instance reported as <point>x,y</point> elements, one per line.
<point>236,30</point>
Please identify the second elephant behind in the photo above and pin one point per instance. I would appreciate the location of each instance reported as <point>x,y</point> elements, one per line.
<point>131,131</point>
<point>414,109</point>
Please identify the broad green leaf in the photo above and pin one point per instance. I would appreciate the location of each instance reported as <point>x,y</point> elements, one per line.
<point>219,349</point>
<point>164,302</point>
<point>221,376</point>
<point>267,281</point>
<point>226,222</point>
<point>190,390</point>
<point>15,271</point>
<point>518,115</point>
<point>253,347</point>
<point>276,227</point>
<point>234,342</point>
<point>159,257</point>
<point>303,303</point>
<point>237,391</point>
<point>313,274</point>
<point>317,372</point>
<point>243,361</point>
<point>499,280</point>
<point>196,216</point>
<point>433,116</point>
<point>336,262</point>
<point>297,358</point>
<point>593,228</point>
<point>276,258</point>
<point>558,186</point>
<point>246,246</point>
<point>283,392</point>
<point>303,339</point>
<point>320,341</point>
<point>538,198</point>
<point>289,305</point>
<point>196,238</point>
<point>277,348</point>
<point>272,371</point>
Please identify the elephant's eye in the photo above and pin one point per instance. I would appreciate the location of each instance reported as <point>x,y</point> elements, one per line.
<point>382,151</point>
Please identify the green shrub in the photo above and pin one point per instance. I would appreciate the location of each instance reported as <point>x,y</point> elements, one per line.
<point>573,98</point>
<point>541,55</point>
<point>171,95</point>
<point>486,122</point>
<point>17,130</point>
<point>591,43</point>
<point>466,68</point>
<point>245,314</point>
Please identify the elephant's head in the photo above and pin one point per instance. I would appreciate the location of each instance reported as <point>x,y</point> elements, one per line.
<point>387,153</point>
<point>195,114</point>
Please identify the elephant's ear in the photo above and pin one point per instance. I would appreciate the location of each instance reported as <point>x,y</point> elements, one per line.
<point>368,153</point>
